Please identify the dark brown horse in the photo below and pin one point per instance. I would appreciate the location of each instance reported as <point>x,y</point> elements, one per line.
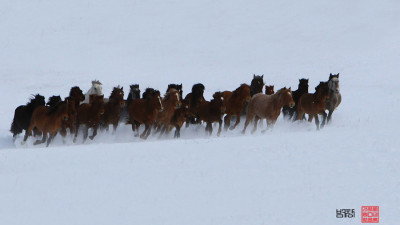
<point>269,90</point>
<point>48,121</point>
<point>193,99</point>
<point>53,101</point>
<point>170,102</point>
<point>112,108</point>
<point>267,106</point>
<point>23,114</point>
<point>291,113</point>
<point>144,111</point>
<point>234,103</point>
<point>256,84</point>
<point>212,111</point>
<point>134,93</point>
<point>314,104</point>
<point>89,114</point>
<point>335,98</point>
<point>75,96</point>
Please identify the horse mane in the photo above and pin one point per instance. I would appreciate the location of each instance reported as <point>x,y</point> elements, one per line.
<point>96,82</point>
<point>254,86</point>
<point>148,93</point>
<point>318,89</point>
<point>116,91</point>
<point>197,92</point>
<point>53,100</point>
<point>74,89</point>
<point>36,99</point>
<point>134,86</point>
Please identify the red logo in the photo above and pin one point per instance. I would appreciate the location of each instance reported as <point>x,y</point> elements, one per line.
<point>370,214</point>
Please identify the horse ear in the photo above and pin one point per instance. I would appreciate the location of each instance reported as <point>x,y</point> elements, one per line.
<point>338,75</point>
<point>122,88</point>
<point>262,76</point>
<point>254,75</point>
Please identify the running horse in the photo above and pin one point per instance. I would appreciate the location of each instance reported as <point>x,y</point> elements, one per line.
<point>335,98</point>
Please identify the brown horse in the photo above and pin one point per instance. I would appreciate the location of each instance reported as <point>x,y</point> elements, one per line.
<point>269,90</point>
<point>75,96</point>
<point>48,121</point>
<point>178,119</point>
<point>212,111</point>
<point>234,103</point>
<point>314,104</point>
<point>170,102</point>
<point>193,99</point>
<point>112,108</point>
<point>144,111</point>
<point>267,106</point>
<point>89,114</point>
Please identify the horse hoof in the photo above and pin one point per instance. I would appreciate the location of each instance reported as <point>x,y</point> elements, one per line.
<point>91,137</point>
<point>37,142</point>
<point>23,142</point>
<point>263,131</point>
<point>231,128</point>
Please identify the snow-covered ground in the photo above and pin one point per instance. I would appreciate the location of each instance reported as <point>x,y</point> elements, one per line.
<point>290,175</point>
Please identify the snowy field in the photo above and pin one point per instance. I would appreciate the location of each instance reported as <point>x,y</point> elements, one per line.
<point>290,175</point>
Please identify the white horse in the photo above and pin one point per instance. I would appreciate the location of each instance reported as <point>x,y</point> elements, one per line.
<point>96,89</point>
<point>334,95</point>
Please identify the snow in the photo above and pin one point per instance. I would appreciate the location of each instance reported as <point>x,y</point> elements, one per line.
<point>290,175</point>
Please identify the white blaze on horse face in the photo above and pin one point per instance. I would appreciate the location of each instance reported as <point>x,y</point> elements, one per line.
<point>159,99</point>
<point>177,96</point>
<point>222,98</point>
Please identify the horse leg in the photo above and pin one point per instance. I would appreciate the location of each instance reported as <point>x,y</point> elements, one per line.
<point>237,122</point>
<point>220,127</point>
<point>149,131</point>
<point>310,118</point>
<point>27,132</point>
<point>44,138</point>
<point>147,127</point>
<point>324,119</point>
<point>300,115</point>
<point>177,131</point>
<point>227,122</point>
<point>316,121</point>
<point>330,115</point>
<point>255,124</point>
<point>94,132</point>
<point>51,137</point>
<point>85,133</point>
<point>163,129</point>
<point>248,119</point>
<point>76,132</point>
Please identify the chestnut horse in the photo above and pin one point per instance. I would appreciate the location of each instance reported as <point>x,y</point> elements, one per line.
<point>112,108</point>
<point>180,116</point>
<point>23,114</point>
<point>75,96</point>
<point>314,104</point>
<point>170,102</point>
<point>144,111</point>
<point>335,98</point>
<point>269,90</point>
<point>234,103</point>
<point>267,106</point>
<point>302,89</point>
<point>177,87</point>
<point>48,121</point>
<point>89,114</point>
<point>212,111</point>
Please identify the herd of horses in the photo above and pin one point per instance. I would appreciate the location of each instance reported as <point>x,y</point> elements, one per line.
<point>79,112</point>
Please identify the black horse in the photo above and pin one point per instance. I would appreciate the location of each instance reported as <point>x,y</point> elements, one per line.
<point>302,89</point>
<point>53,101</point>
<point>23,114</point>
<point>192,100</point>
<point>134,93</point>
<point>256,85</point>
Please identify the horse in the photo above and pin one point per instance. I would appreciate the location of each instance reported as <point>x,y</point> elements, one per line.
<point>96,89</point>
<point>193,99</point>
<point>170,102</point>
<point>267,106</point>
<point>314,104</point>
<point>180,116</point>
<point>234,103</point>
<point>177,87</point>
<point>76,97</point>
<point>212,111</point>
<point>89,114</point>
<point>48,121</point>
<point>302,89</point>
<point>53,100</point>
<point>144,111</point>
<point>256,84</point>
<point>134,93</point>
<point>23,114</point>
<point>269,90</point>
<point>335,98</point>
<point>112,108</point>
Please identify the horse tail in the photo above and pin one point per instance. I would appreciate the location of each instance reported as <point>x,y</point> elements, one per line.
<point>15,129</point>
